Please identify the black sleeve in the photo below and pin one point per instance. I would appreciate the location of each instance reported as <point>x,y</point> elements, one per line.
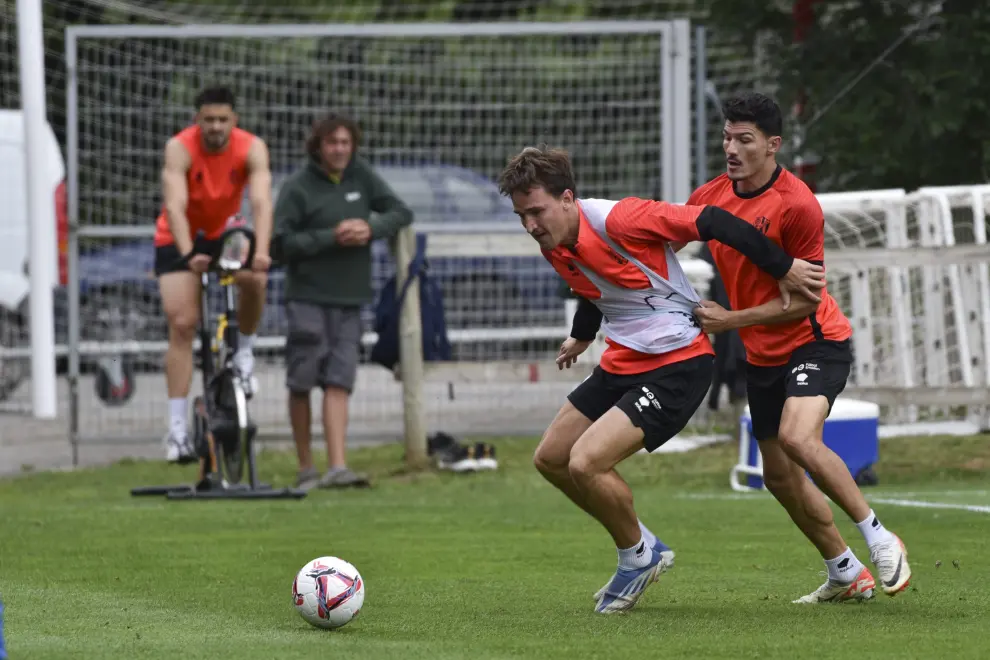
<point>587,320</point>
<point>718,224</point>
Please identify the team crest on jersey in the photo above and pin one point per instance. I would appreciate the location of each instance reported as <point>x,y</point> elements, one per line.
<point>763,224</point>
<point>198,177</point>
<point>236,177</point>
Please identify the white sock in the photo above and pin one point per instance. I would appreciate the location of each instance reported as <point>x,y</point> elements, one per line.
<point>637,556</point>
<point>177,416</point>
<point>648,536</point>
<point>873,532</point>
<point>246,343</point>
<point>844,568</point>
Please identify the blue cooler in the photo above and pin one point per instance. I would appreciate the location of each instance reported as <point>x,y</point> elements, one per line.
<point>851,431</point>
<point>3,653</point>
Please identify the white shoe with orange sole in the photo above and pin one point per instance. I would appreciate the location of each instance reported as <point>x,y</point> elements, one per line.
<point>890,558</point>
<point>859,589</point>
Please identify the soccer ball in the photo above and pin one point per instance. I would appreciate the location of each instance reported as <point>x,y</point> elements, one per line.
<point>328,592</point>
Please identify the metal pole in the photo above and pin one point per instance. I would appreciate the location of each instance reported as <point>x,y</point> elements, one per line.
<point>700,106</point>
<point>72,180</point>
<point>41,225</point>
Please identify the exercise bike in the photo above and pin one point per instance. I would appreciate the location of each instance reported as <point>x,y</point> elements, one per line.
<point>222,430</point>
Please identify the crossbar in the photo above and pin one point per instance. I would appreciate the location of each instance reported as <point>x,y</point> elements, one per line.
<point>352,30</point>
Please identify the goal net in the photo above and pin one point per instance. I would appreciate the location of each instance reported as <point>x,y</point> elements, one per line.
<point>442,107</point>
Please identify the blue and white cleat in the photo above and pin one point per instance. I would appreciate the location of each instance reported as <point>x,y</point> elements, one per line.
<point>626,586</point>
<point>667,556</point>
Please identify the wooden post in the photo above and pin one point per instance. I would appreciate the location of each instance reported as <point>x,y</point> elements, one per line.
<point>410,353</point>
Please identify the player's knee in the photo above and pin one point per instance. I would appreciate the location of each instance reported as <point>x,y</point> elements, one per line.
<point>796,440</point>
<point>778,480</point>
<point>251,283</point>
<point>582,467</point>
<point>546,459</point>
<point>801,425</point>
<point>182,328</point>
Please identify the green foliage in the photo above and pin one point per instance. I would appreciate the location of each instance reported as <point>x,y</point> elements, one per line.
<point>918,118</point>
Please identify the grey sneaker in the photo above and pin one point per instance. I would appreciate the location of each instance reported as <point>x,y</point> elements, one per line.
<point>307,478</point>
<point>342,477</point>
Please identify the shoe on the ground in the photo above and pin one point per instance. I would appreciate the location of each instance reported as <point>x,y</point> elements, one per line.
<point>859,589</point>
<point>307,478</point>
<point>343,477</point>
<point>440,442</point>
<point>178,449</point>
<point>666,554</point>
<point>457,458</point>
<point>627,586</point>
<point>890,558</point>
<point>484,456</point>
<point>244,364</point>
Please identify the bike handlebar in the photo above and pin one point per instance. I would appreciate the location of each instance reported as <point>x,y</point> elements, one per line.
<point>214,249</point>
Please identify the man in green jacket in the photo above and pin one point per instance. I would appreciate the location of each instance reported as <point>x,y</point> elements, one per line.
<point>324,230</point>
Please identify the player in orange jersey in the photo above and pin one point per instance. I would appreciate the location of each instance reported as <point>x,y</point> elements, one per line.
<point>207,166</point>
<point>798,358</point>
<point>657,368</point>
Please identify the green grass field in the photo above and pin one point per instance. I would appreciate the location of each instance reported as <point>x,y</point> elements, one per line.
<point>493,565</point>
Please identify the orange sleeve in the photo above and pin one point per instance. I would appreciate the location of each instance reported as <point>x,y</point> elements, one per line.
<point>803,229</point>
<point>695,198</point>
<point>646,221</point>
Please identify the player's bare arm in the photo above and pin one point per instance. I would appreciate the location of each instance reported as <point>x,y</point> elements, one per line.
<point>176,193</point>
<point>648,221</point>
<point>584,327</point>
<point>260,197</point>
<point>715,319</point>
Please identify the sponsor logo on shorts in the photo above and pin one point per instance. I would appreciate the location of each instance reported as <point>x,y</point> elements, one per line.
<point>646,400</point>
<point>802,379</point>
<point>809,366</point>
<point>352,196</point>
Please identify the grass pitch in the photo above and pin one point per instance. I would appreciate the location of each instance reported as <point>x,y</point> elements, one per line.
<point>495,565</point>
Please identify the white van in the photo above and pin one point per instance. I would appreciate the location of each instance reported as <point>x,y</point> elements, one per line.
<point>14,248</point>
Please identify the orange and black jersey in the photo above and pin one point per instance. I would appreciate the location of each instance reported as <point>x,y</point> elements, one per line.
<point>643,228</point>
<point>788,213</point>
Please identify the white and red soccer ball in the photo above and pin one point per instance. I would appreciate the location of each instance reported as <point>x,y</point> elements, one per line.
<point>328,592</point>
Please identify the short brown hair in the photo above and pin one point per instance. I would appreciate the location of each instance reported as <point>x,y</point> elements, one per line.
<point>325,126</point>
<point>544,166</point>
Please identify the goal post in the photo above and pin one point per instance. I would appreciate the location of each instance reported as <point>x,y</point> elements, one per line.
<point>442,105</point>
<point>910,271</point>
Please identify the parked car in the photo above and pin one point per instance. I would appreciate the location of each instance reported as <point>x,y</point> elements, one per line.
<point>119,295</point>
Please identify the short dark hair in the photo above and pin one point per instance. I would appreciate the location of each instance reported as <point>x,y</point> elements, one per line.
<point>327,125</point>
<point>755,108</point>
<point>543,166</point>
<point>215,96</point>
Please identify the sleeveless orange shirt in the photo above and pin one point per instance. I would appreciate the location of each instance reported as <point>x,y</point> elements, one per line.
<point>215,182</point>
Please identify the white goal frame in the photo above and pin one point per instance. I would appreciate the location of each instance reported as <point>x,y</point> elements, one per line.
<point>676,154</point>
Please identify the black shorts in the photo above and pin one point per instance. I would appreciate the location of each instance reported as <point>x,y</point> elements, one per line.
<point>820,368</point>
<point>167,257</point>
<point>660,402</point>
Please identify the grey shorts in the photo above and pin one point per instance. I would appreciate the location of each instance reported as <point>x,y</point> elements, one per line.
<point>322,347</point>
